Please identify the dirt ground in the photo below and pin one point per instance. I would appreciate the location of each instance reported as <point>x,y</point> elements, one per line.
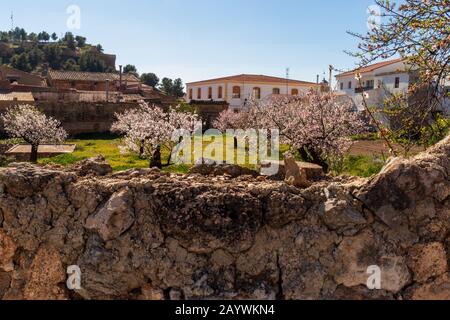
<point>375,148</point>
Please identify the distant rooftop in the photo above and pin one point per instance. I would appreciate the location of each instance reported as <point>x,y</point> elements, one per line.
<point>253,78</point>
<point>90,76</point>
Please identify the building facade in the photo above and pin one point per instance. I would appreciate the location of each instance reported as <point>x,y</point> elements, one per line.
<point>378,81</point>
<point>237,90</point>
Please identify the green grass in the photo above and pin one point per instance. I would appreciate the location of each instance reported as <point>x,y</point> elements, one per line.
<point>362,166</point>
<point>92,145</point>
<point>89,146</point>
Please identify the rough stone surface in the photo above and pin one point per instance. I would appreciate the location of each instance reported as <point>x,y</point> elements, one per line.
<point>144,234</point>
<point>295,176</point>
<point>428,260</point>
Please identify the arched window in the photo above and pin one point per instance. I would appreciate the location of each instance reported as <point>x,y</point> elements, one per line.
<point>257,93</point>
<point>210,93</point>
<point>236,92</point>
<point>199,93</point>
<point>190,94</point>
<point>220,93</point>
<point>276,91</point>
<point>294,92</point>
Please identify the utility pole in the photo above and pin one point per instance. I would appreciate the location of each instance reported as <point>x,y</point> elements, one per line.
<point>331,78</point>
<point>287,80</point>
<point>12,20</point>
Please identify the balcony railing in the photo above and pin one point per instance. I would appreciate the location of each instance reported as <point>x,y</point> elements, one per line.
<point>363,89</point>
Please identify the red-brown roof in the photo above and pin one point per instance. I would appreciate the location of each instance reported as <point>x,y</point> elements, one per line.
<point>370,68</point>
<point>256,78</point>
<point>89,76</point>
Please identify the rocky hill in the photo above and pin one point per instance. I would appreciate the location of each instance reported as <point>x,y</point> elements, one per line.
<point>31,52</point>
<point>143,234</point>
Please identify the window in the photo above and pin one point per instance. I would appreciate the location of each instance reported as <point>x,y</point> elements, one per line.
<point>257,93</point>
<point>294,92</point>
<point>349,84</point>
<point>199,93</point>
<point>220,94</point>
<point>380,84</point>
<point>397,82</point>
<point>236,92</point>
<point>342,86</point>
<point>210,93</point>
<point>370,84</point>
<point>276,91</point>
<point>190,94</point>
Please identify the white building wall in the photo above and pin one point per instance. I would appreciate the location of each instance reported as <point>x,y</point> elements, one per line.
<point>246,91</point>
<point>204,95</point>
<point>384,82</point>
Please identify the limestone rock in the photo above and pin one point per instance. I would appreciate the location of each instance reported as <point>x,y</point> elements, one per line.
<point>95,166</point>
<point>427,260</point>
<point>114,218</point>
<point>294,175</point>
<point>145,234</point>
<point>47,276</point>
<point>7,251</point>
<point>339,215</point>
<point>232,171</point>
<point>356,254</point>
<point>436,290</point>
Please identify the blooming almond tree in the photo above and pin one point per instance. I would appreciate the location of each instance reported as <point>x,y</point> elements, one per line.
<point>317,125</point>
<point>148,128</point>
<point>34,127</point>
<point>229,119</point>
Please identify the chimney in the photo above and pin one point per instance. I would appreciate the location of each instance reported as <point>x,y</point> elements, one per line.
<point>318,77</point>
<point>120,77</point>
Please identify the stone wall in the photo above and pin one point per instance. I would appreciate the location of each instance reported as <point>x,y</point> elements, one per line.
<point>209,111</point>
<point>143,234</point>
<point>79,117</point>
<point>95,117</point>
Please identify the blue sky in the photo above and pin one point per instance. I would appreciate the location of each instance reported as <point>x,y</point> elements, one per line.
<point>200,39</point>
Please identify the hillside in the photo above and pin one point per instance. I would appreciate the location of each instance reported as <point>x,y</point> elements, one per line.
<point>33,52</point>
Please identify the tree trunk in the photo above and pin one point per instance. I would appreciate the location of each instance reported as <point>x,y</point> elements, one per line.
<point>311,155</point>
<point>156,158</point>
<point>169,159</point>
<point>141,149</point>
<point>34,153</point>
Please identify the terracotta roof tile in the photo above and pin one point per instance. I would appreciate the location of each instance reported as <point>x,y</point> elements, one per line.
<point>89,76</point>
<point>255,78</point>
<point>370,68</point>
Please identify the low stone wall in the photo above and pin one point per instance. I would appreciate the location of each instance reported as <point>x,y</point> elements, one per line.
<point>143,234</point>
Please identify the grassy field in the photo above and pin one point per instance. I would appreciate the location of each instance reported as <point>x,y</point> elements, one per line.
<point>89,146</point>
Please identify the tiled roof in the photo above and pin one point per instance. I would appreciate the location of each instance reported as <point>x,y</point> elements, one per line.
<point>89,76</point>
<point>250,78</point>
<point>370,68</point>
<point>17,96</point>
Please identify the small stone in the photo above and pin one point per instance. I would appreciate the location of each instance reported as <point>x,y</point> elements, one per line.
<point>294,175</point>
<point>151,293</point>
<point>114,218</point>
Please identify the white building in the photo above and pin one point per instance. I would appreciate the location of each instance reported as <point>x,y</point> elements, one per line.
<point>237,90</point>
<point>378,81</point>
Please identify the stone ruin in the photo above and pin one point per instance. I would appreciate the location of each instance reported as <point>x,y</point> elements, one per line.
<point>144,234</point>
